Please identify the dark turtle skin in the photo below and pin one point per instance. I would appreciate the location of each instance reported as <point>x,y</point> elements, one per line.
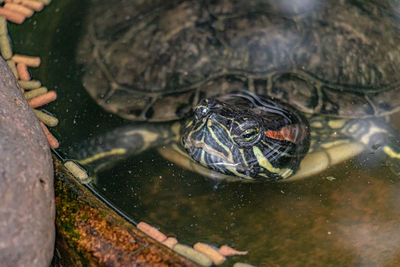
<point>154,60</point>
<point>237,135</point>
<point>330,66</point>
<point>247,136</point>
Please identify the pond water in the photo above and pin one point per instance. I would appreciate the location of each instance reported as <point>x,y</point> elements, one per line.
<point>351,219</point>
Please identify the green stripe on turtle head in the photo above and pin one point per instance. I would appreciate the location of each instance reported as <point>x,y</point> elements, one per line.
<point>229,135</point>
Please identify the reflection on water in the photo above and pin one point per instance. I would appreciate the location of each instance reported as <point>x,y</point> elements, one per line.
<point>347,215</point>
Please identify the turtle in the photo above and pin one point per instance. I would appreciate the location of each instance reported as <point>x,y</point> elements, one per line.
<point>252,90</point>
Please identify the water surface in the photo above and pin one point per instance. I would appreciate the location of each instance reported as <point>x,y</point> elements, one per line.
<point>349,220</point>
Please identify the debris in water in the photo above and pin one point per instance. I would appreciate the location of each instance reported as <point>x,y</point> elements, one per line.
<point>29,85</point>
<point>11,15</point>
<point>50,138</point>
<point>330,178</point>
<point>23,72</point>
<point>170,242</point>
<point>241,264</point>
<point>27,60</point>
<point>228,251</point>
<point>151,231</point>
<point>77,171</point>
<point>35,92</point>
<point>210,252</point>
<point>27,12</point>
<point>42,100</point>
<point>46,118</point>
<point>192,254</point>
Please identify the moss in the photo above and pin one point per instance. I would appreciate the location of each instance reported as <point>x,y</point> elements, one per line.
<point>91,233</point>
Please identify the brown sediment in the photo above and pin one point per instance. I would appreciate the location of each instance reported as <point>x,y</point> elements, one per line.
<point>12,15</point>
<point>23,72</point>
<point>50,138</point>
<point>42,99</point>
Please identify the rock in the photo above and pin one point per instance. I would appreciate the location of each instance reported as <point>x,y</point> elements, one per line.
<point>90,233</point>
<point>27,207</point>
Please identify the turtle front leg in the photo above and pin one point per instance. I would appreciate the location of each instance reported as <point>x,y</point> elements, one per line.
<point>378,137</point>
<point>336,140</point>
<point>105,150</point>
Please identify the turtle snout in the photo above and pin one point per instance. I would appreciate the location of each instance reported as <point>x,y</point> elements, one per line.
<point>204,108</point>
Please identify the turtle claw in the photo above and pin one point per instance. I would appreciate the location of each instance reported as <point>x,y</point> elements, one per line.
<point>393,160</point>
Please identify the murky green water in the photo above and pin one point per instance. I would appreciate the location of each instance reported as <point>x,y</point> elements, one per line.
<point>350,220</point>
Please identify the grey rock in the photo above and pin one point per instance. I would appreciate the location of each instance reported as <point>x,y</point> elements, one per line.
<point>27,208</point>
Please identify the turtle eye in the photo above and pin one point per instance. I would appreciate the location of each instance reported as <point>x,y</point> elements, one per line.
<point>249,134</point>
<point>246,133</point>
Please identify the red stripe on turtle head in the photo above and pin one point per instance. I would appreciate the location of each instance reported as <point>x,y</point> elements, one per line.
<point>291,133</point>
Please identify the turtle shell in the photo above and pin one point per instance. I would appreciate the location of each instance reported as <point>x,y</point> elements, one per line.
<point>154,60</point>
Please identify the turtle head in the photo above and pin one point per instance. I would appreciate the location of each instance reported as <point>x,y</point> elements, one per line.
<point>247,136</point>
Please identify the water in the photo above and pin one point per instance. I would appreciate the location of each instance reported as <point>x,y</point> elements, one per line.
<point>351,219</point>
